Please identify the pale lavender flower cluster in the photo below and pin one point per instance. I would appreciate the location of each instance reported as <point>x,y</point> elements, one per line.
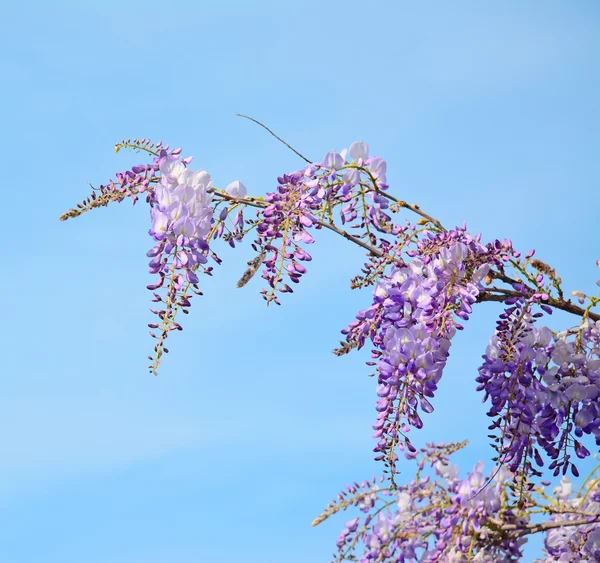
<point>572,386</point>
<point>181,201</point>
<point>181,216</point>
<point>437,517</point>
<point>569,543</point>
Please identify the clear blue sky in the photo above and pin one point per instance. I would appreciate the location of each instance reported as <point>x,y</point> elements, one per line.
<point>486,112</point>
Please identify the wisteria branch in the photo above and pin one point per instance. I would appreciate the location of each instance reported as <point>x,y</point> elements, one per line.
<point>528,529</point>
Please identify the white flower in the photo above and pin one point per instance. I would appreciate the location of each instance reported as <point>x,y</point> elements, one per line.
<point>200,180</point>
<point>359,150</point>
<point>236,189</point>
<point>171,169</point>
<point>164,195</point>
<point>378,169</point>
<point>160,222</point>
<point>404,501</point>
<point>565,488</point>
<point>177,210</point>
<point>448,472</point>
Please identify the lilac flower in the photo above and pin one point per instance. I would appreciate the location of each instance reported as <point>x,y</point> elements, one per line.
<point>333,160</point>
<point>378,170</point>
<point>359,152</point>
<point>236,189</point>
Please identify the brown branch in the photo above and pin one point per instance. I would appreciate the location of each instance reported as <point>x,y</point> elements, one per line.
<point>543,526</point>
<point>248,200</point>
<point>412,207</point>
<point>492,294</point>
<point>567,306</point>
<point>355,240</point>
<point>262,204</point>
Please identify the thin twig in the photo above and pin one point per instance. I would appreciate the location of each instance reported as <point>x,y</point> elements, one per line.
<point>401,203</point>
<point>274,135</point>
<point>414,208</point>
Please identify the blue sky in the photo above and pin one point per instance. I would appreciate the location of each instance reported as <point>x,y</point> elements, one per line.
<point>485,112</point>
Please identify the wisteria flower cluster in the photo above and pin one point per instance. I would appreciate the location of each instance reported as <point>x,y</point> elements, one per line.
<point>575,532</point>
<point>440,516</point>
<point>416,312</point>
<point>542,387</point>
<point>304,200</point>
<point>412,522</point>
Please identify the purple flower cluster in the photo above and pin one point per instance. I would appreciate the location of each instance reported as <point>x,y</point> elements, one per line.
<point>437,517</point>
<point>142,177</point>
<point>130,183</point>
<point>416,312</point>
<point>283,225</point>
<point>566,542</point>
<point>572,388</point>
<point>543,388</point>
